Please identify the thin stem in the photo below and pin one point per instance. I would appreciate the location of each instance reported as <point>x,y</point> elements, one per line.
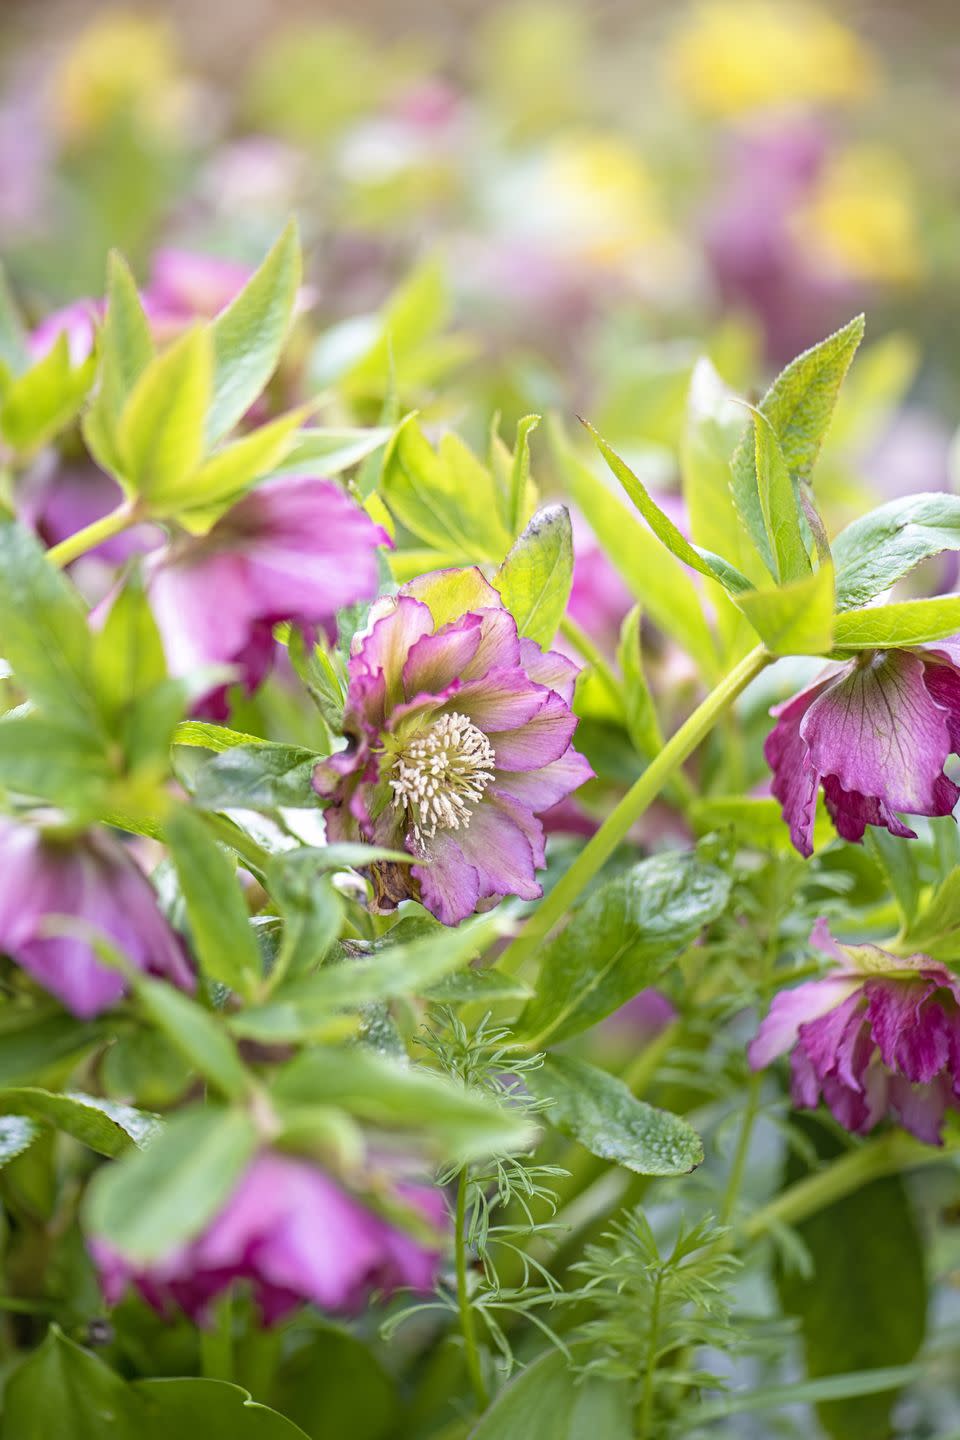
<point>893,1152</point>
<point>94,534</point>
<point>216,1344</point>
<point>735,1179</point>
<point>625,815</point>
<point>586,648</point>
<point>646,1404</point>
<point>467,1325</point>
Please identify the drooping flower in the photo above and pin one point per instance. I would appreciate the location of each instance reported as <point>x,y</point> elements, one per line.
<point>297,1236</point>
<point>878,1034</point>
<point>88,878</point>
<point>875,733</point>
<point>293,549</point>
<point>459,735</point>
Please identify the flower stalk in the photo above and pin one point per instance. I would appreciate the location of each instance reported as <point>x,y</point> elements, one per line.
<point>467,1319</point>
<point>94,534</point>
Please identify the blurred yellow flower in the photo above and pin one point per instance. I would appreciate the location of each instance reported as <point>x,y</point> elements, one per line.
<point>732,56</point>
<point>121,64</point>
<point>861,220</point>
<point>601,197</point>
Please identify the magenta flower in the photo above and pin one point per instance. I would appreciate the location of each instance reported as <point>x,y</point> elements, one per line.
<point>296,1236</point>
<point>878,1034</point>
<point>186,286</point>
<point>459,734</point>
<point>294,549</point>
<point>78,321</point>
<point>875,733</point>
<point>89,878</point>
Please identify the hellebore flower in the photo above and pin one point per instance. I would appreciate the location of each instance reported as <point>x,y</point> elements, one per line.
<point>459,735</point>
<point>877,1034</point>
<point>89,878</point>
<point>296,1236</point>
<point>875,733</point>
<point>294,549</point>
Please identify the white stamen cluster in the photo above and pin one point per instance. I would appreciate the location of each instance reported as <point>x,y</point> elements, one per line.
<point>441,776</point>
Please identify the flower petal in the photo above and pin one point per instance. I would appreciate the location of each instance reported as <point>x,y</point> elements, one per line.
<point>541,789</point>
<point>790,1009</point>
<point>542,740</point>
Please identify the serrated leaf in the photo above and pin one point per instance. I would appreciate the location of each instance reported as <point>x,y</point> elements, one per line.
<point>248,336</point>
<point>779,502</point>
<point>160,435</point>
<point>446,497</point>
<point>912,622</point>
<point>596,1109</point>
<point>258,776</point>
<point>621,940</point>
<point>794,619</point>
<point>880,548</point>
<point>534,580</point>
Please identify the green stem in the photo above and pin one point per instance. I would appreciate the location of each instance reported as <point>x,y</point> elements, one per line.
<point>467,1324</point>
<point>893,1152</point>
<point>646,1404</point>
<point>216,1345</point>
<point>735,1179</point>
<point>625,815</point>
<point>94,534</point>
<point>586,648</point>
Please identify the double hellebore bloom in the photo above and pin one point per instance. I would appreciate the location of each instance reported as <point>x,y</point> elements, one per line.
<point>296,1236</point>
<point>293,549</point>
<point>875,733</point>
<point>88,878</point>
<point>459,734</point>
<point>877,1034</point>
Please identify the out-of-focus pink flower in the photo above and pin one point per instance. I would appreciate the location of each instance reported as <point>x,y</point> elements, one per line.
<point>875,733</point>
<point>78,321</point>
<point>186,286</point>
<point>643,1017</point>
<point>59,499</point>
<point>88,878</point>
<point>294,549</point>
<point>879,1033</point>
<point>297,1236</point>
<point>459,735</point>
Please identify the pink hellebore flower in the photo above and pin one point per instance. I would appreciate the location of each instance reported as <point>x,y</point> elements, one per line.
<point>89,878</point>
<point>875,733</point>
<point>186,286</point>
<point>78,321</point>
<point>296,1236</point>
<point>295,549</point>
<point>459,735</point>
<point>878,1034</point>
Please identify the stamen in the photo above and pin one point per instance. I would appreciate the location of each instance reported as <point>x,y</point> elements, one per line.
<point>441,776</point>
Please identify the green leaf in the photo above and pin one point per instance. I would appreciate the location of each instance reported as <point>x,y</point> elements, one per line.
<point>212,737</point>
<point>13,337</point>
<point>656,579</point>
<point>43,628</point>
<point>799,406</point>
<point>46,760</point>
<point>128,658</point>
<point>794,619</point>
<point>643,725</point>
<point>865,1303</point>
<point>779,502</point>
<point>248,337</point>
<point>446,497</point>
<point>219,921</point>
<point>211,1409</point>
<point>713,566</point>
<point>103,1125</point>
<point>597,1109</point>
<point>909,623</point>
<point>258,776</point>
<point>198,1035</point>
<point>387,1093</point>
<point>126,341</point>
<point>41,402</point>
<point>880,548</point>
<point>311,909</point>
<point>302,1008</point>
<point>34,1042</point>
<point>551,1400</point>
<point>415,312</point>
<point>160,437</point>
<point>61,1392</point>
<point>334,1386</point>
<point>17,1134</point>
<point>519,495</point>
<point>936,930</point>
<point>485,985</point>
<point>621,940</point>
<point>534,580</point>
<point>329,451</point>
<point>231,471</point>
<point>152,1200</point>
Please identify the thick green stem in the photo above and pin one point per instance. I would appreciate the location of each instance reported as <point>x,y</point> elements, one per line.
<point>94,534</point>
<point>890,1154</point>
<point>467,1320</point>
<point>625,815</point>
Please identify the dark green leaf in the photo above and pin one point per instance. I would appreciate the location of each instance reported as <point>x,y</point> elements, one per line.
<point>152,1200</point>
<point>599,1111</point>
<point>208,1410</point>
<point>880,548</point>
<point>534,580</point>
<point>218,916</point>
<point>620,941</point>
<point>549,1400</point>
<point>198,1034</point>
<point>61,1392</point>
<point>33,1042</point>
<point>259,776</point>
<point>334,1387</point>
<point>47,760</point>
<point>103,1125</point>
<point>311,910</point>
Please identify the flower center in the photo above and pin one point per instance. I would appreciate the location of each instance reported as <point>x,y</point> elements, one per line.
<point>441,776</point>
